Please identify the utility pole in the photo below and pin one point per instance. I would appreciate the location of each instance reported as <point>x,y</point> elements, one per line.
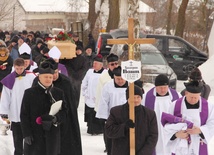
<point>14,7</point>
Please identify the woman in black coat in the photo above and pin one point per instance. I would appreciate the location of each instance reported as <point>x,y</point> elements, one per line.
<point>146,130</point>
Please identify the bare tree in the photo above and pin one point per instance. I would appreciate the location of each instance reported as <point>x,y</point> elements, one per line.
<point>181,18</point>
<point>92,14</point>
<point>114,15</point>
<point>169,13</point>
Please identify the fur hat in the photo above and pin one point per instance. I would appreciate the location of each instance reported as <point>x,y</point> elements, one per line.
<point>195,74</point>
<point>161,80</point>
<point>194,86</point>
<point>112,57</point>
<point>15,39</point>
<point>137,91</point>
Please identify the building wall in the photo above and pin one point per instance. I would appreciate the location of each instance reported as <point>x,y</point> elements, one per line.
<point>46,21</point>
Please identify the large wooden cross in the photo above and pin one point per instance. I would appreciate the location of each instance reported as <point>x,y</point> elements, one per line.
<point>131,41</point>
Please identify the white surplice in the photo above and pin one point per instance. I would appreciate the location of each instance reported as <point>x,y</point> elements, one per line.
<point>192,115</point>
<point>162,104</point>
<point>111,96</point>
<point>11,99</point>
<point>89,85</point>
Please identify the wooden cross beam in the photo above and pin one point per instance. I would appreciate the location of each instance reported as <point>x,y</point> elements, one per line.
<point>131,41</point>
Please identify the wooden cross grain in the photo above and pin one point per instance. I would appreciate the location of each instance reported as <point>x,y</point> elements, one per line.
<point>131,41</point>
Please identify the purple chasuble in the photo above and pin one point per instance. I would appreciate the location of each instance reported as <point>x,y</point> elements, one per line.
<point>62,69</point>
<point>9,80</point>
<point>203,115</point>
<point>150,98</point>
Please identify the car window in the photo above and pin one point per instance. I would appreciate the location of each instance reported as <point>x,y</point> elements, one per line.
<point>159,44</point>
<point>177,46</point>
<point>152,58</point>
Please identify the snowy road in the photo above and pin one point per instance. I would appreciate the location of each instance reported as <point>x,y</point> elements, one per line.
<point>92,145</point>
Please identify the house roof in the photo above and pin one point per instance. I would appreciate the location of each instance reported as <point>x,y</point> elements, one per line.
<point>144,8</point>
<point>66,6</point>
<point>54,5</point>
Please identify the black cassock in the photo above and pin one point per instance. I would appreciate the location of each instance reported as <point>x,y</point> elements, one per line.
<point>36,102</point>
<point>70,131</point>
<point>76,68</point>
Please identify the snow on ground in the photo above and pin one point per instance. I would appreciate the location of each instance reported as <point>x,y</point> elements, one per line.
<point>92,145</point>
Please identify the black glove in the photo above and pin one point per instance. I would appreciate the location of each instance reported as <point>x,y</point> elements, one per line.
<point>47,121</point>
<point>130,124</point>
<point>47,117</point>
<point>28,140</point>
<point>4,116</point>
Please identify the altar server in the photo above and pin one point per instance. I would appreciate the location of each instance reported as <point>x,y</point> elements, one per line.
<point>14,86</point>
<point>89,84</point>
<point>112,61</point>
<point>112,94</point>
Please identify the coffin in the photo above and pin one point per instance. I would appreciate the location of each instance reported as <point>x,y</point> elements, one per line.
<point>67,48</point>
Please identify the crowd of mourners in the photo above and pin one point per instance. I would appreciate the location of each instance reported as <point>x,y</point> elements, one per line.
<point>40,96</point>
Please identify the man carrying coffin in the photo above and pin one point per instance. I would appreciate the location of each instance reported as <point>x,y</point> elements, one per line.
<point>191,140</point>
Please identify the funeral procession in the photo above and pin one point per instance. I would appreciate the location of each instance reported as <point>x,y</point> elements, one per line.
<point>106,77</point>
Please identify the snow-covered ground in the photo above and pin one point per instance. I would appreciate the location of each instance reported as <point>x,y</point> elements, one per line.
<point>92,145</point>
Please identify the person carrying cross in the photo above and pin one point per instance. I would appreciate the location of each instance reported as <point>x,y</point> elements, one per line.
<point>118,125</point>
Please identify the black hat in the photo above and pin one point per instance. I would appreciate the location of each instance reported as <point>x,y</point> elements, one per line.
<point>195,74</point>
<point>25,56</point>
<point>89,46</point>
<point>75,35</point>
<point>15,39</point>
<point>117,71</point>
<point>161,80</point>
<point>39,41</point>
<point>46,68</point>
<point>112,57</point>
<point>194,86</point>
<point>137,91</point>
<point>139,83</point>
<point>45,50</point>
<point>24,32</point>
<point>54,64</point>
<point>79,48</point>
<point>99,58</point>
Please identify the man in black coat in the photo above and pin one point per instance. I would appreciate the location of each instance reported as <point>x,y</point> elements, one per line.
<point>41,129</point>
<point>146,130</point>
<point>76,68</point>
<point>70,131</point>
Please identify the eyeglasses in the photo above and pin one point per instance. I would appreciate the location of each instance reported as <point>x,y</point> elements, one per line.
<point>112,64</point>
